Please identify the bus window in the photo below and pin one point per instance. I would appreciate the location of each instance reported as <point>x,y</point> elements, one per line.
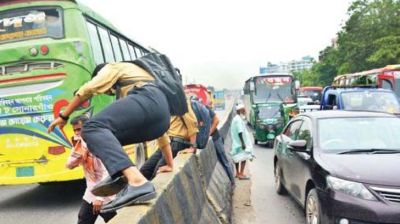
<point>29,23</point>
<point>386,84</point>
<point>116,47</point>
<point>107,48</point>
<point>125,50</point>
<point>132,51</point>
<point>144,51</point>
<point>138,52</point>
<point>95,42</point>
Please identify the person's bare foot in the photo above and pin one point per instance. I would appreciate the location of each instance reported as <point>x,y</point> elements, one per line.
<point>188,150</point>
<point>165,169</point>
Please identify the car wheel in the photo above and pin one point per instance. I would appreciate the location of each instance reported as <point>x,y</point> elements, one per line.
<point>255,142</point>
<point>279,188</point>
<point>140,156</point>
<point>313,208</point>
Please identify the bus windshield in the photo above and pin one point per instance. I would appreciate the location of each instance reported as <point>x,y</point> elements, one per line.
<point>29,23</point>
<point>271,111</point>
<point>273,88</point>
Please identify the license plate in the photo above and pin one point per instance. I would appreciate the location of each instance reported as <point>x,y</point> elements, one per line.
<point>25,171</point>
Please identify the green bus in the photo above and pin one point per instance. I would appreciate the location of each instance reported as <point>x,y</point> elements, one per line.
<point>48,50</point>
<point>270,101</point>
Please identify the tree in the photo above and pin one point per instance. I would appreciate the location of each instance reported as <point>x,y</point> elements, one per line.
<point>387,51</point>
<point>369,35</point>
<point>369,39</point>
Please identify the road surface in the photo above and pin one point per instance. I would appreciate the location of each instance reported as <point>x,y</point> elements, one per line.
<point>268,206</point>
<point>31,204</point>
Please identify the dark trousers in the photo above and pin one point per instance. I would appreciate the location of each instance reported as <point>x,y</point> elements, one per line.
<point>150,167</point>
<point>86,215</point>
<point>219,148</point>
<point>141,116</point>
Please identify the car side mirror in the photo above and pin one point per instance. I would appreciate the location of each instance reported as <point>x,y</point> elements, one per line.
<point>298,146</point>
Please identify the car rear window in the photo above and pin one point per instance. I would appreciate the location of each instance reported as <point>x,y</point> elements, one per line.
<point>29,23</point>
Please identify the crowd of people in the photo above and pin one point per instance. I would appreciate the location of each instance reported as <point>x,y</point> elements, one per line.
<point>141,113</point>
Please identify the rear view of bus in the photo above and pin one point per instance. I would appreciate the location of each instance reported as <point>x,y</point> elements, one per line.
<point>45,57</point>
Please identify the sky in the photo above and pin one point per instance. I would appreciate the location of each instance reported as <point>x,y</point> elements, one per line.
<point>223,42</point>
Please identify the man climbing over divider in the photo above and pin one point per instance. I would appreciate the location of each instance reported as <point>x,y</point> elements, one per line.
<point>153,93</point>
<point>216,137</point>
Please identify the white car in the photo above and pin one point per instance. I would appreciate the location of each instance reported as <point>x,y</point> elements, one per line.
<point>306,104</point>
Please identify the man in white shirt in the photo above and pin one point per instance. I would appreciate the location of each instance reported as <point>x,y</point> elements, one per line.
<point>242,147</point>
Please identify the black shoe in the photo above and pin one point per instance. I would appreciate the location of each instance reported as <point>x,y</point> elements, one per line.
<point>109,186</point>
<point>131,195</point>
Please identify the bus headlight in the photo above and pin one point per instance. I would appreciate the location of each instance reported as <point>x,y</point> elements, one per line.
<point>33,51</point>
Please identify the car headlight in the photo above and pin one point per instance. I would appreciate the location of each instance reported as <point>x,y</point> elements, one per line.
<point>351,188</point>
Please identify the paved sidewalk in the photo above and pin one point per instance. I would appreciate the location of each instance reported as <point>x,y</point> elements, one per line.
<point>243,210</point>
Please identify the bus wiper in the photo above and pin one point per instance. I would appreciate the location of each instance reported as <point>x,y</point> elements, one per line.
<point>372,150</point>
<point>280,97</point>
<point>269,96</point>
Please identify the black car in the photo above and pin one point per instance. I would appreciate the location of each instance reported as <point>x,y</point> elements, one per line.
<point>342,167</point>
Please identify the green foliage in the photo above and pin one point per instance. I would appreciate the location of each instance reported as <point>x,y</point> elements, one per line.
<point>387,51</point>
<point>369,39</point>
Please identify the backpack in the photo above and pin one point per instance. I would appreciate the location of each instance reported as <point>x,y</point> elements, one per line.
<point>203,117</point>
<point>166,78</point>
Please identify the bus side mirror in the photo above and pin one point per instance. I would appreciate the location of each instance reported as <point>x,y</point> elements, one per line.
<point>297,85</point>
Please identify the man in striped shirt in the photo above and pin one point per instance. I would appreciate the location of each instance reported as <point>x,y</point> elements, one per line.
<point>94,173</point>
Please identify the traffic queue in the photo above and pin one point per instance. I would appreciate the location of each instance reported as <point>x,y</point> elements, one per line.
<point>338,152</point>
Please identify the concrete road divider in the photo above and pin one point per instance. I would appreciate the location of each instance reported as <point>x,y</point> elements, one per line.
<point>198,191</point>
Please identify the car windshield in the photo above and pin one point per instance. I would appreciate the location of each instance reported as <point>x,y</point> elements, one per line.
<point>371,101</point>
<point>28,23</point>
<point>273,88</point>
<point>272,111</point>
<point>345,134</point>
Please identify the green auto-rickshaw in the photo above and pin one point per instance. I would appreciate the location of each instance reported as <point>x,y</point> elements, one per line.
<point>269,101</point>
<point>268,121</point>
